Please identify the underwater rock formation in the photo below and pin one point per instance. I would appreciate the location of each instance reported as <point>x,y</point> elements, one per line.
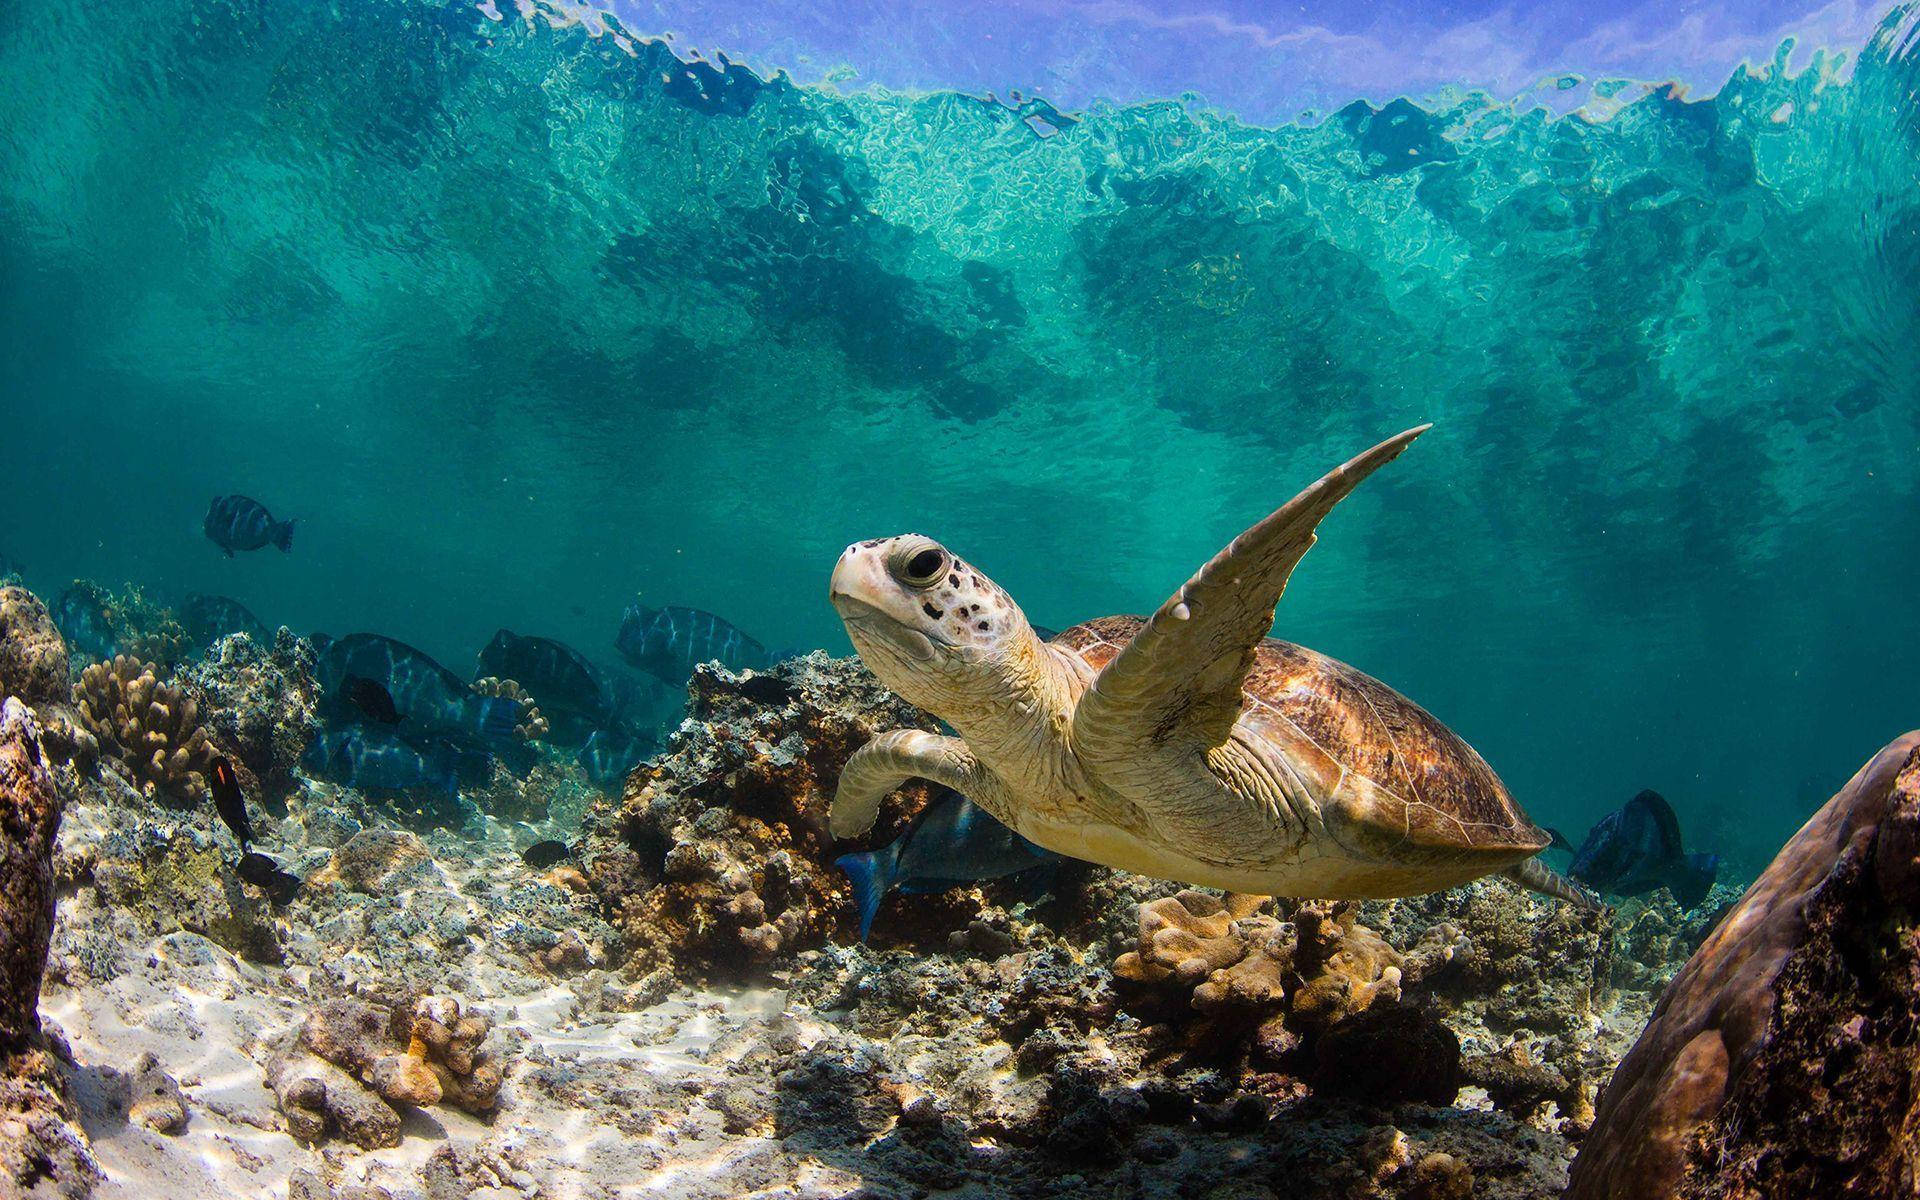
<point>33,657</point>
<point>420,1052</point>
<point>1782,1059</point>
<point>39,1139</point>
<point>259,700</point>
<point>153,728</point>
<point>717,857</point>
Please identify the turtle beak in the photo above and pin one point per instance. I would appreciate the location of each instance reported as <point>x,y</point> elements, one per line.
<point>859,591</point>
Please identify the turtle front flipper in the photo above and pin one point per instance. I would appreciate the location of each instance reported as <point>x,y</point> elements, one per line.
<point>1182,674</point>
<point>888,761</point>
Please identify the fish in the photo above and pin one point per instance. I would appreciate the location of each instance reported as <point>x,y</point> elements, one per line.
<point>1045,634</point>
<point>951,843</point>
<point>667,642</point>
<point>229,801</point>
<point>609,756</point>
<point>542,855</point>
<point>210,618</point>
<point>373,701</point>
<point>570,690</point>
<point>1637,849</point>
<point>81,616</point>
<point>424,693</point>
<point>263,872</point>
<point>363,756</point>
<point>243,523</point>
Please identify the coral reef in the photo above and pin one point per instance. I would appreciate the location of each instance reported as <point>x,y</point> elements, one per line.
<point>33,657</point>
<point>259,703</point>
<point>717,858</point>
<point>1804,1002</point>
<point>153,727</point>
<point>40,1142</point>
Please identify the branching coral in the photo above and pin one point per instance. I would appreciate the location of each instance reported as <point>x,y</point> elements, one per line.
<point>153,727</point>
<point>532,726</point>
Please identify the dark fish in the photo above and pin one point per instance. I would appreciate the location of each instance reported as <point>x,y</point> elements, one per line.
<point>243,523</point>
<point>668,642</point>
<point>373,701</point>
<point>1638,849</point>
<point>424,693</point>
<point>1045,634</point>
<point>362,756</point>
<point>558,677</point>
<point>263,872</point>
<point>951,843</point>
<point>542,855</point>
<point>83,620</point>
<point>210,618</point>
<point>608,757</point>
<point>229,802</point>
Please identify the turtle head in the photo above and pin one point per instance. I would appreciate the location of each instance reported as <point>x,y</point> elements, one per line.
<point>933,629</point>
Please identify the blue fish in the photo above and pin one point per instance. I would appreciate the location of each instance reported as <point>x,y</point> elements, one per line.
<point>1637,849</point>
<point>210,618</point>
<point>368,757</point>
<point>243,523</point>
<point>81,616</point>
<point>424,693</point>
<point>574,695</point>
<point>609,756</point>
<point>667,642</point>
<point>953,842</point>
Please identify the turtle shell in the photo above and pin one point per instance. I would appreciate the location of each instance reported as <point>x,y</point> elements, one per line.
<point>1392,781</point>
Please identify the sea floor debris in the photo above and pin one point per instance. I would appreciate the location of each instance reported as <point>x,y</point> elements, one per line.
<point>686,1010</point>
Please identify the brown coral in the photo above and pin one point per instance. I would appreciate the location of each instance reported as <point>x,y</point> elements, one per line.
<point>153,727</point>
<point>1239,967</point>
<point>423,1051</point>
<point>532,726</point>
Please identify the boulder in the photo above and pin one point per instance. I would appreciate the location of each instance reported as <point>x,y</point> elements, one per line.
<point>1784,1058</point>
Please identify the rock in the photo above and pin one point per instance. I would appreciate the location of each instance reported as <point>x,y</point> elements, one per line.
<point>33,656</point>
<point>319,1101</point>
<point>1388,1053</point>
<point>156,1102</point>
<point>427,1051</point>
<point>1781,1060</point>
<point>30,811</point>
<point>405,1079</point>
<point>350,1034</point>
<point>40,1137</point>
<point>381,861</point>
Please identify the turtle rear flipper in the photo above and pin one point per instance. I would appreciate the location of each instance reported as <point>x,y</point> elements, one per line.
<point>1536,876</point>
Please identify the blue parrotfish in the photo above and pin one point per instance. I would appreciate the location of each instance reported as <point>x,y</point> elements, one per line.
<point>668,642</point>
<point>1637,849</point>
<point>243,523</point>
<point>362,756</point>
<point>425,694</point>
<point>953,842</point>
<point>210,618</point>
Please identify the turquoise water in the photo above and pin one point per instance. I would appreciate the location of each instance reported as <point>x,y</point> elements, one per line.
<point>520,322</point>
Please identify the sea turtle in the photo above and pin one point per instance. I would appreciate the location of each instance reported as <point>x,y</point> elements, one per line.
<point>1188,746</point>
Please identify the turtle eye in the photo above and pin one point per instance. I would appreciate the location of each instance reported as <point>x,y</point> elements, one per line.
<point>924,567</point>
